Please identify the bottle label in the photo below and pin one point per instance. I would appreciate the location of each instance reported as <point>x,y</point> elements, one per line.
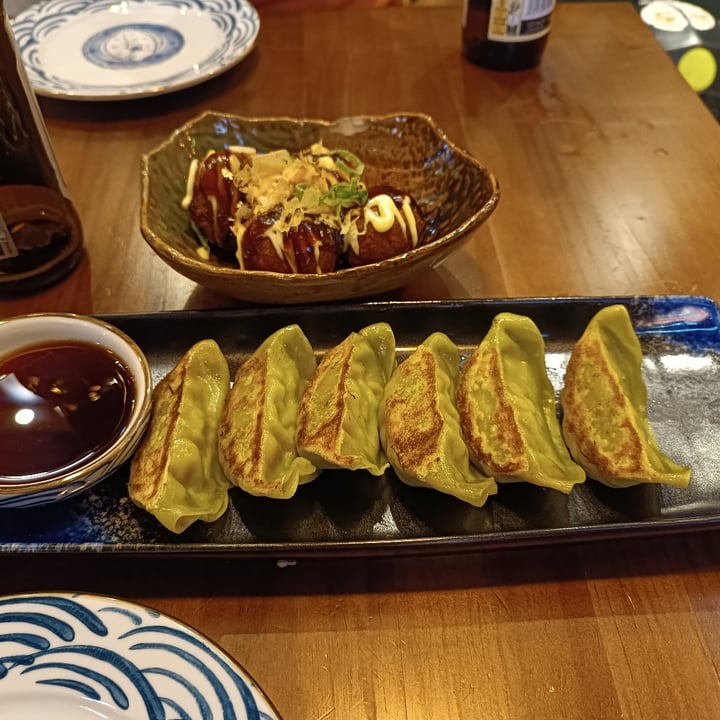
<point>7,246</point>
<point>519,20</point>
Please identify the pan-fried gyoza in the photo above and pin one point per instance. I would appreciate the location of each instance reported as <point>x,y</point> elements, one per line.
<point>508,410</point>
<point>420,424</point>
<point>175,473</point>
<point>439,423</point>
<point>604,401</point>
<point>338,417</point>
<point>257,431</point>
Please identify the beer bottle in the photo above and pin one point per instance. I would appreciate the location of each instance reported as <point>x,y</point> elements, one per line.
<point>506,34</point>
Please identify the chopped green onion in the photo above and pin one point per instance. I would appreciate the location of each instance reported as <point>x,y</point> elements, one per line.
<point>348,162</point>
<point>199,235</point>
<point>346,194</point>
<point>300,189</point>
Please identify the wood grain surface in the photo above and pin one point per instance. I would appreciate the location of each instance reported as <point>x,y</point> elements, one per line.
<point>609,167</point>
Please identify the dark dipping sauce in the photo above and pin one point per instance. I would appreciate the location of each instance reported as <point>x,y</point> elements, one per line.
<point>60,402</point>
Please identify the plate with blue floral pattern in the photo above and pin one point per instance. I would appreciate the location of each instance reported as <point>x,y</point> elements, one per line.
<point>121,49</point>
<point>73,656</point>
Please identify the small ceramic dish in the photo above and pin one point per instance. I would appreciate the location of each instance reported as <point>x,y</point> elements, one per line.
<point>75,399</point>
<point>455,192</point>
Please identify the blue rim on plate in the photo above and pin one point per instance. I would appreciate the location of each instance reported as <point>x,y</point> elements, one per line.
<point>67,656</point>
<point>123,49</point>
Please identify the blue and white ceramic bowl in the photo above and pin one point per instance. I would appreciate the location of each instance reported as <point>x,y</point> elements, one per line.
<point>68,657</point>
<point>108,50</point>
<point>28,331</point>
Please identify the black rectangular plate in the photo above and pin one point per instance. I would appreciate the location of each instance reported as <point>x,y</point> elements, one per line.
<point>355,513</point>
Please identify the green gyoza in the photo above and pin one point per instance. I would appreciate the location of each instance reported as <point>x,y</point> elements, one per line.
<point>508,409</point>
<point>257,432</point>
<point>338,418</point>
<point>604,399</point>
<point>420,424</point>
<point>175,474</point>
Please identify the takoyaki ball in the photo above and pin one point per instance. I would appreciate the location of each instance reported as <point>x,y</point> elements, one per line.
<point>214,201</point>
<point>311,247</point>
<point>376,243</point>
<point>257,250</point>
<point>315,247</point>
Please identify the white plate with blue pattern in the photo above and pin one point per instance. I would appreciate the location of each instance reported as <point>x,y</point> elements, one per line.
<point>68,657</point>
<point>120,49</point>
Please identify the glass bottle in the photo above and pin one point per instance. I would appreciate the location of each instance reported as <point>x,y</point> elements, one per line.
<point>40,232</point>
<point>506,34</point>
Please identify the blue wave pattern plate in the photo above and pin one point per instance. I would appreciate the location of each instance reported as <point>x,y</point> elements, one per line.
<point>121,49</point>
<point>68,657</point>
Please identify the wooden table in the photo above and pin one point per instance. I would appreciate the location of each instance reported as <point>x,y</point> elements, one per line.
<point>610,173</point>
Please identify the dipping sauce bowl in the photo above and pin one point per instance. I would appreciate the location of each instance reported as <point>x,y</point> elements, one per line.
<point>75,399</point>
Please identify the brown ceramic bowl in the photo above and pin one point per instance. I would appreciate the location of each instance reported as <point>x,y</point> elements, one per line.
<point>455,192</point>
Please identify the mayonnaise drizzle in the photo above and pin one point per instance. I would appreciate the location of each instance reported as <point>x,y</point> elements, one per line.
<point>192,172</point>
<point>382,213</point>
